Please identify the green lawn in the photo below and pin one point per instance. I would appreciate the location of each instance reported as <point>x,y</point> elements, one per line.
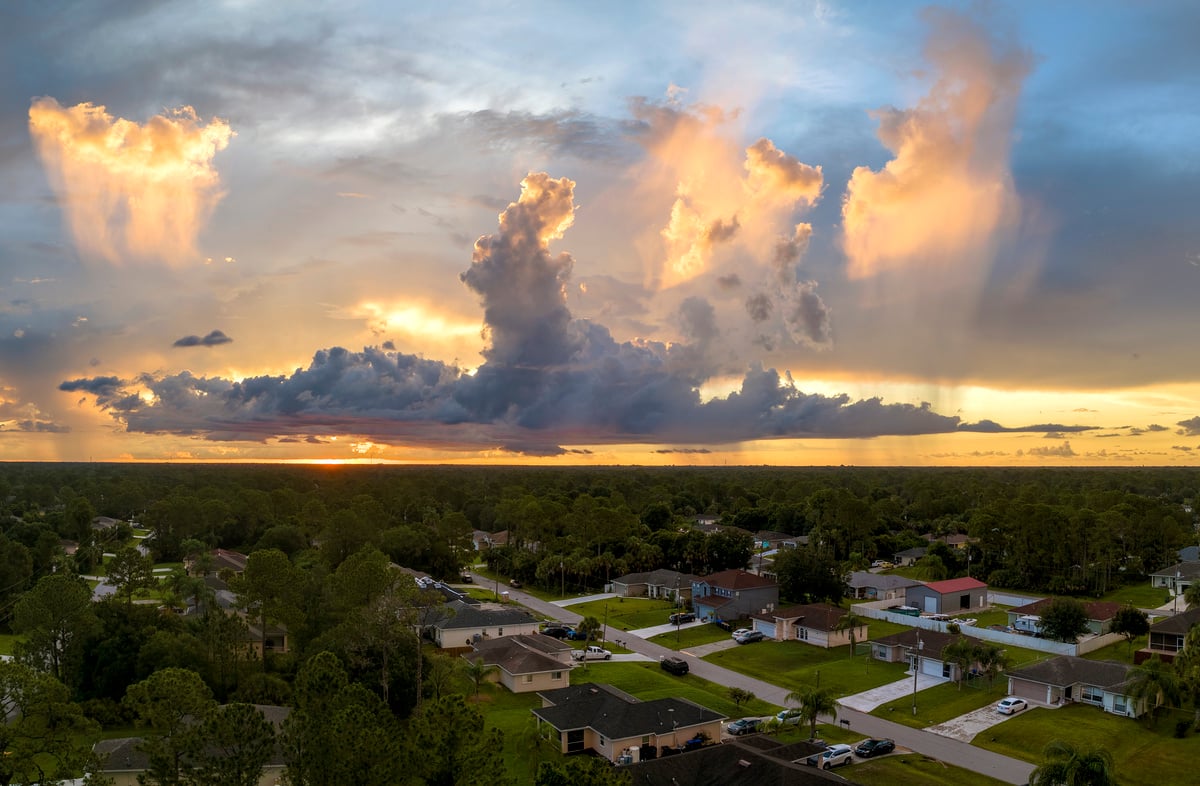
<point>647,681</point>
<point>913,769</point>
<point>1141,595</point>
<point>793,664</point>
<point>941,703</point>
<point>1122,651</point>
<point>691,637</point>
<point>510,713</point>
<point>627,613</point>
<point>1143,756</point>
<point>996,615</point>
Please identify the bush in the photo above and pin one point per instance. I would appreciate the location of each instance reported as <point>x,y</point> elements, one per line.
<point>1182,728</point>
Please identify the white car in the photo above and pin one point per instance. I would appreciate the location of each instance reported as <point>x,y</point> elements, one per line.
<point>833,756</point>
<point>591,652</point>
<point>737,634</point>
<point>789,717</point>
<point>1011,705</point>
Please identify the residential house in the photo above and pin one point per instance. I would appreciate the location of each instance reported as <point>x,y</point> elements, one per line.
<point>612,724</point>
<point>1099,614</point>
<point>1176,578</point>
<point>525,663</point>
<point>733,594</point>
<point>216,563</point>
<point>1067,678</point>
<point>662,583</point>
<point>1167,636</point>
<point>487,540</point>
<point>878,586</point>
<point>814,623</point>
<point>919,648</point>
<point>909,557</point>
<point>953,596</point>
<point>122,759</point>
<point>746,761</point>
<point>464,624</point>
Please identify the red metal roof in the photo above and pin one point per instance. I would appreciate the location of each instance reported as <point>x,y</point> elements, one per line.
<point>956,585</point>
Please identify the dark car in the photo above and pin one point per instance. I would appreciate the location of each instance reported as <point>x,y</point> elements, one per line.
<point>749,636</point>
<point>514,584</point>
<point>466,578</point>
<point>743,726</point>
<point>681,617</point>
<point>558,631</point>
<point>873,747</point>
<point>677,666</point>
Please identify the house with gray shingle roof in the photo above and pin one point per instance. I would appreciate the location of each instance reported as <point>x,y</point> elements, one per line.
<point>464,624</point>
<point>525,663</point>
<point>662,583</point>
<point>610,722</point>
<point>812,623</point>
<point>878,586</point>
<point>1168,636</point>
<point>1067,678</point>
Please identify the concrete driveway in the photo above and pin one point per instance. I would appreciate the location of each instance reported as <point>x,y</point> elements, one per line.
<point>870,699</point>
<point>965,727</point>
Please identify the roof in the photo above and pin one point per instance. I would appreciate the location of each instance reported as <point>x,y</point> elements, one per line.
<point>226,558</point>
<point>615,714</point>
<point>1069,670</point>
<point>916,551</point>
<point>931,642</point>
<point>956,585</point>
<point>1099,610</point>
<point>124,754</point>
<point>750,761</point>
<point>466,615</point>
<point>735,579</point>
<point>884,581</point>
<point>659,578</point>
<point>518,654</point>
<point>1179,624</point>
<point>817,616</point>
<point>1186,570</point>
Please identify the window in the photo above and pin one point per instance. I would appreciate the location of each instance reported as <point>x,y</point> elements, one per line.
<point>1119,706</point>
<point>602,742</point>
<point>802,634</point>
<point>556,675</point>
<point>1091,695</point>
<point>646,740</point>
<point>527,678</point>
<point>947,669</point>
<point>499,631</point>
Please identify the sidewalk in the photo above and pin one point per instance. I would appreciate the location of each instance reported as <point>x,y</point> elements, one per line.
<point>573,601</point>
<point>870,699</point>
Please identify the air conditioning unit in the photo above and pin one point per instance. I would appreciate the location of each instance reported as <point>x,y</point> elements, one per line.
<point>635,754</point>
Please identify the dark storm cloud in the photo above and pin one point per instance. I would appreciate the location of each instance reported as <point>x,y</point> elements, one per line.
<point>1189,428</point>
<point>214,339</point>
<point>759,307</point>
<point>1062,451</point>
<point>992,427</point>
<point>668,451</point>
<point>548,379</point>
<point>731,281</point>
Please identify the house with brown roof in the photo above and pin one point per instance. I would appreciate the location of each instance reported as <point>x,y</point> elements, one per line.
<point>662,583</point>
<point>525,663</point>
<point>1099,614</point>
<point>1067,678</point>
<point>813,623</point>
<point>953,596</point>
<point>919,648</point>
<point>733,594</point>
<point>1168,636</point>
<point>612,724</point>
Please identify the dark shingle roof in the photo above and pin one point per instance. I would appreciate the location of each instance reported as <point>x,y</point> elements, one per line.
<point>1179,624</point>
<point>1069,670</point>
<point>817,616</point>
<point>615,714</point>
<point>523,654</point>
<point>465,615</point>
<point>884,581</point>
<point>931,642</point>
<point>734,579</point>
<point>750,761</point>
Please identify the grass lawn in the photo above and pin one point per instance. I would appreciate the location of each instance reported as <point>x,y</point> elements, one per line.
<point>691,637</point>
<point>996,615</point>
<point>1121,651</point>
<point>627,613</point>
<point>793,664</point>
<point>647,681</point>
<point>1141,595</point>
<point>913,769</point>
<point>941,703</point>
<point>510,713</point>
<point>1143,756</point>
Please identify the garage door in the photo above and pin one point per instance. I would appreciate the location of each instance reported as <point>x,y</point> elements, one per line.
<point>931,667</point>
<point>765,628</point>
<point>931,604</point>
<point>1030,691</point>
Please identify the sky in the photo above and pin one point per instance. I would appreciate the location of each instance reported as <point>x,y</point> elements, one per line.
<point>687,233</point>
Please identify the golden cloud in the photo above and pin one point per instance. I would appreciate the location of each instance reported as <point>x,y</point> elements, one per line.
<point>130,192</point>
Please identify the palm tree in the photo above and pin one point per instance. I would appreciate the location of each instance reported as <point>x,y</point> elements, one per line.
<point>1191,595</point>
<point>850,623</point>
<point>1187,668</point>
<point>1064,765</point>
<point>477,671</point>
<point>813,702</point>
<point>1154,683</point>
<point>961,652</point>
<point>992,660</point>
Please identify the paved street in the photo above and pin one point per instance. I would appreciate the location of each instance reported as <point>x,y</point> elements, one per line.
<point>947,749</point>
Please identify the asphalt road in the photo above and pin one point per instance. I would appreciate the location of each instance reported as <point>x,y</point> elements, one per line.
<point>950,751</point>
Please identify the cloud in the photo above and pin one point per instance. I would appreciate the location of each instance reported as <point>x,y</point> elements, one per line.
<point>548,379</point>
<point>130,191</point>
<point>1189,427</point>
<point>1061,451</point>
<point>213,339</point>
<point>948,187</point>
<point>667,451</point>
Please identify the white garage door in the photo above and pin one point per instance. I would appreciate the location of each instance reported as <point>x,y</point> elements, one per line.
<point>931,605</point>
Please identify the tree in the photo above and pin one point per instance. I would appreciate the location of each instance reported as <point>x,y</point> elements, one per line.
<point>590,627</point>
<point>1191,595</point>
<point>1065,619</point>
<point>233,745</point>
<point>269,590</point>
<point>850,622</point>
<point>1130,622</point>
<point>580,771</point>
<point>1156,684</point>
<point>172,703</point>
<point>961,653</point>
<point>41,728</point>
<point>470,756</point>
<point>477,671</point>
<point>1187,667</point>
<point>813,703</point>
<point>56,617</point>
<point>809,576</point>
<point>740,696</point>
<point>991,659</point>
<point>129,572</point>
<point>1064,765</point>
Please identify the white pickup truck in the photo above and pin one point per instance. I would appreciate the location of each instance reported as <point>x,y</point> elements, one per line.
<point>592,652</point>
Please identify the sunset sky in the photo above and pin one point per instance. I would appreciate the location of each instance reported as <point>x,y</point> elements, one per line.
<point>618,233</point>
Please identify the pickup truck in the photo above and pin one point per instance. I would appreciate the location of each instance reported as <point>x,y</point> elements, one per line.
<point>591,652</point>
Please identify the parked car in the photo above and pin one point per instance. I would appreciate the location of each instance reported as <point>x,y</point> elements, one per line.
<point>466,578</point>
<point>789,717</point>
<point>833,756</point>
<point>1011,705</point>
<point>882,563</point>
<point>743,726</point>
<point>558,631</point>
<point>749,636</point>
<point>592,652</point>
<point>676,666</point>
<point>875,747</point>
<point>514,584</point>
<point>681,617</point>
<point>740,632</point>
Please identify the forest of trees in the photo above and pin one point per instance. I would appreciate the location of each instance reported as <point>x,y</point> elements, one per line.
<point>320,540</point>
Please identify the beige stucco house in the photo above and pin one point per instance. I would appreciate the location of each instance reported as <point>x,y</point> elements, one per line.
<point>525,663</point>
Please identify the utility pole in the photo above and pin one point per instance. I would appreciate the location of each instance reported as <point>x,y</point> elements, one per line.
<point>917,669</point>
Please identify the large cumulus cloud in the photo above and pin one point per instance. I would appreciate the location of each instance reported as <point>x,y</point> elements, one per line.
<point>549,379</point>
